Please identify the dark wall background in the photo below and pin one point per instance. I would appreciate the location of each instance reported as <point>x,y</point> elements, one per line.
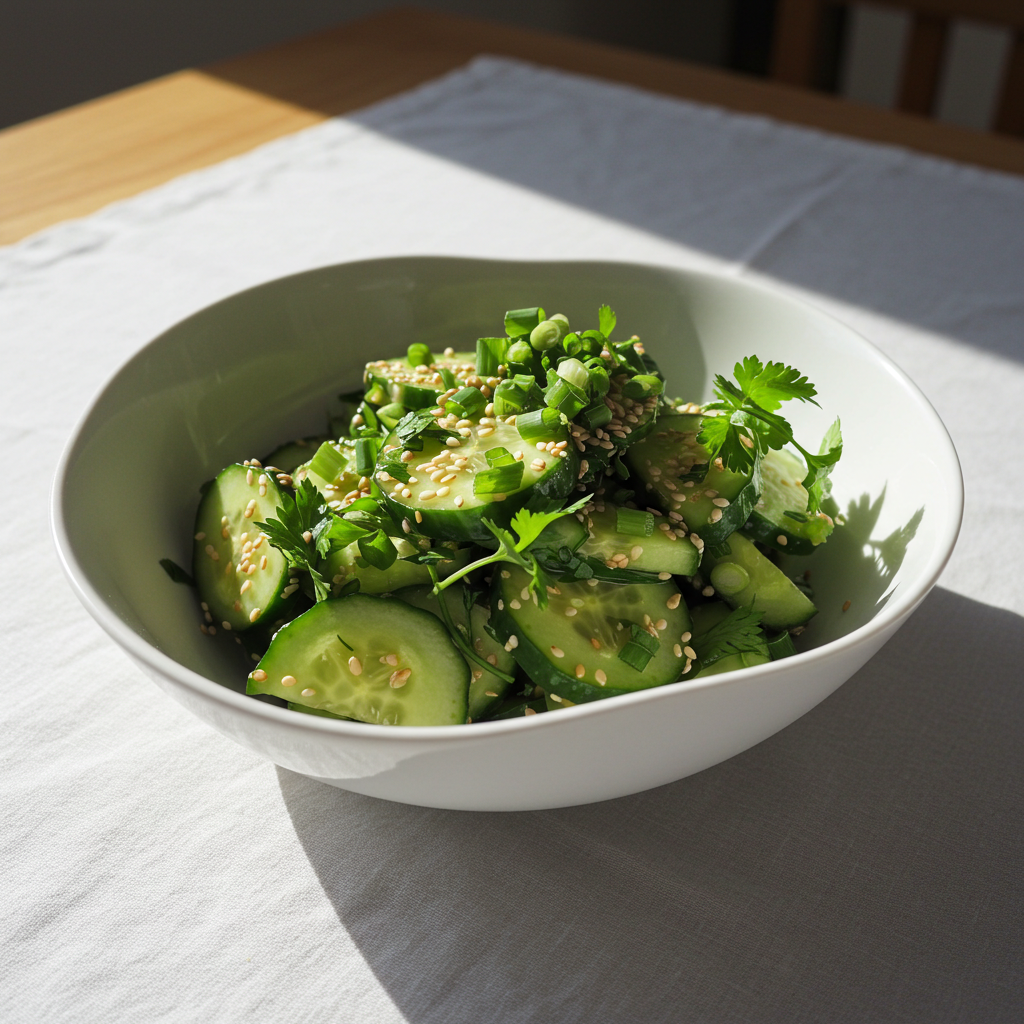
<point>54,53</point>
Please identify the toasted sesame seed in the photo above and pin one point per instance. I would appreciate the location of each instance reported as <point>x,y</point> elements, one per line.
<point>708,591</point>
<point>557,651</point>
<point>782,539</point>
<point>846,605</point>
<point>250,508</point>
<point>419,516</point>
<point>492,659</point>
<point>400,678</point>
<point>513,643</point>
<point>689,652</point>
<point>288,681</point>
<point>427,495</point>
<point>635,552</point>
<point>677,650</point>
<point>570,612</point>
<point>459,501</point>
<point>453,442</point>
<point>259,675</point>
<point>514,605</point>
<point>530,711</point>
<point>245,586</point>
<point>673,603</point>
<point>601,677</point>
<point>391,659</point>
<point>443,492</point>
<point>254,614</point>
<point>489,693</point>
<point>308,692</point>
<point>248,477</point>
<point>595,643</point>
<point>666,576</point>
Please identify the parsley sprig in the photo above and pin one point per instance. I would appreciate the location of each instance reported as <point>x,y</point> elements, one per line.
<point>304,516</point>
<point>747,424</point>
<point>527,527</point>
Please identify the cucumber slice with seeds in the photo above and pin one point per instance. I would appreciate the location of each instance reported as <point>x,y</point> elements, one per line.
<point>780,518</point>
<point>742,576</point>
<point>238,574</point>
<point>402,668</point>
<point>572,647</point>
<point>439,499</point>
<point>288,457</point>
<point>415,387</point>
<point>485,688</point>
<point>664,550</point>
<point>667,463</point>
<point>705,616</point>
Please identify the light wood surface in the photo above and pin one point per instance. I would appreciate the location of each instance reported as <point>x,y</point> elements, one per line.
<point>73,162</point>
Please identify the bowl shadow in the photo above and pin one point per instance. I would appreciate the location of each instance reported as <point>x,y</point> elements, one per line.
<point>863,864</point>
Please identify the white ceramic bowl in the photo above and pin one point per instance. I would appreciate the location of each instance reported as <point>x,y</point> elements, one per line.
<point>260,367</point>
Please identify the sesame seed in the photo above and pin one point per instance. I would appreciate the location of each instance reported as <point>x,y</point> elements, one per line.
<point>601,677</point>
<point>708,591</point>
<point>254,614</point>
<point>289,681</point>
<point>490,693</point>
<point>406,493</point>
<point>529,711</point>
<point>459,501</point>
<point>492,659</point>
<point>407,526</point>
<point>677,650</point>
<point>721,502</point>
<point>391,659</point>
<point>635,552</point>
<point>419,516</point>
<point>427,495</point>
<point>685,637</point>
<point>595,643</point>
<point>453,442</point>
<point>557,651</point>
<point>514,605</point>
<point>263,561</point>
<point>689,652</point>
<point>442,492</point>
<point>673,603</point>
<point>259,675</point>
<point>308,692</point>
<point>513,643</point>
<point>782,539</point>
<point>248,477</point>
<point>570,612</point>
<point>716,514</point>
<point>846,605</point>
<point>580,671</point>
<point>400,678</point>
<point>245,586</point>
<point>250,508</point>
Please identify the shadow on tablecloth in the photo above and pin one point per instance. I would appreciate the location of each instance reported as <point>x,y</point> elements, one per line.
<point>864,864</point>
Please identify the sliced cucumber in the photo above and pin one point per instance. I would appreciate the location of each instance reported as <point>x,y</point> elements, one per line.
<point>345,564</point>
<point>292,706</point>
<point>439,499</point>
<point>415,387</point>
<point>485,688</point>
<point>518,707</point>
<point>780,518</point>
<point>241,578</point>
<point>665,549</point>
<point>742,576</point>
<point>288,457</point>
<point>667,463</point>
<point>572,647</point>
<point>372,659</point>
<point>704,617</point>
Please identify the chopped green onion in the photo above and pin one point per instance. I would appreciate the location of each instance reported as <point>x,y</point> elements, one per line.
<point>466,402</point>
<point>520,394</point>
<point>328,463</point>
<point>368,416</point>
<point>500,479</point>
<point>490,354</point>
<point>499,457</point>
<point>574,372</point>
<point>447,377</point>
<point>520,353</point>
<point>599,382</point>
<point>521,321</point>
<point>594,416</point>
<point>539,424</point>
<point>634,522</point>
<point>366,455</point>
<point>781,646</point>
<point>390,414</point>
<point>643,385</point>
<point>376,395</point>
<point>547,334</point>
<point>729,579</point>
<point>415,397</point>
<point>797,516</point>
<point>419,355</point>
<point>573,345</point>
<point>720,550</point>
<point>640,648</point>
<point>565,397</point>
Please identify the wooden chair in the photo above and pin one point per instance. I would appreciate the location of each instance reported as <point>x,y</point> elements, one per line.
<point>798,28</point>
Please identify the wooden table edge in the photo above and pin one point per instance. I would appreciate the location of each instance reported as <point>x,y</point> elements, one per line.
<point>73,162</point>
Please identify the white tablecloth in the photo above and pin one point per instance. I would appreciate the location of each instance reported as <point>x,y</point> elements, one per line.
<point>863,865</point>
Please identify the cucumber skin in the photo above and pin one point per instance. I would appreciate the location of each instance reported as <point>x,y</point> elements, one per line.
<point>767,532</point>
<point>468,525</point>
<point>537,666</point>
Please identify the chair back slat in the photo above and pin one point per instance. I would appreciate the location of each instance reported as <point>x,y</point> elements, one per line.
<point>795,46</point>
<point>1010,113</point>
<point>798,28</point>
<point>922,64</point>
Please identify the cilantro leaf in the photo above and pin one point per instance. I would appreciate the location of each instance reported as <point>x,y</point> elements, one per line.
<point>302,533</point>
<point>414,426</point>
<point>819,468</point>
<point>606,320</point>
<point>739,633</point>
<point>769,386</point>
<point>530,525</point>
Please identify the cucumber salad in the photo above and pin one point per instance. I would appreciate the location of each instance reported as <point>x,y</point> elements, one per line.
<point>514,530</point>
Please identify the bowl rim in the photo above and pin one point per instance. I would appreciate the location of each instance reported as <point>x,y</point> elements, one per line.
<point>890,616</point>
